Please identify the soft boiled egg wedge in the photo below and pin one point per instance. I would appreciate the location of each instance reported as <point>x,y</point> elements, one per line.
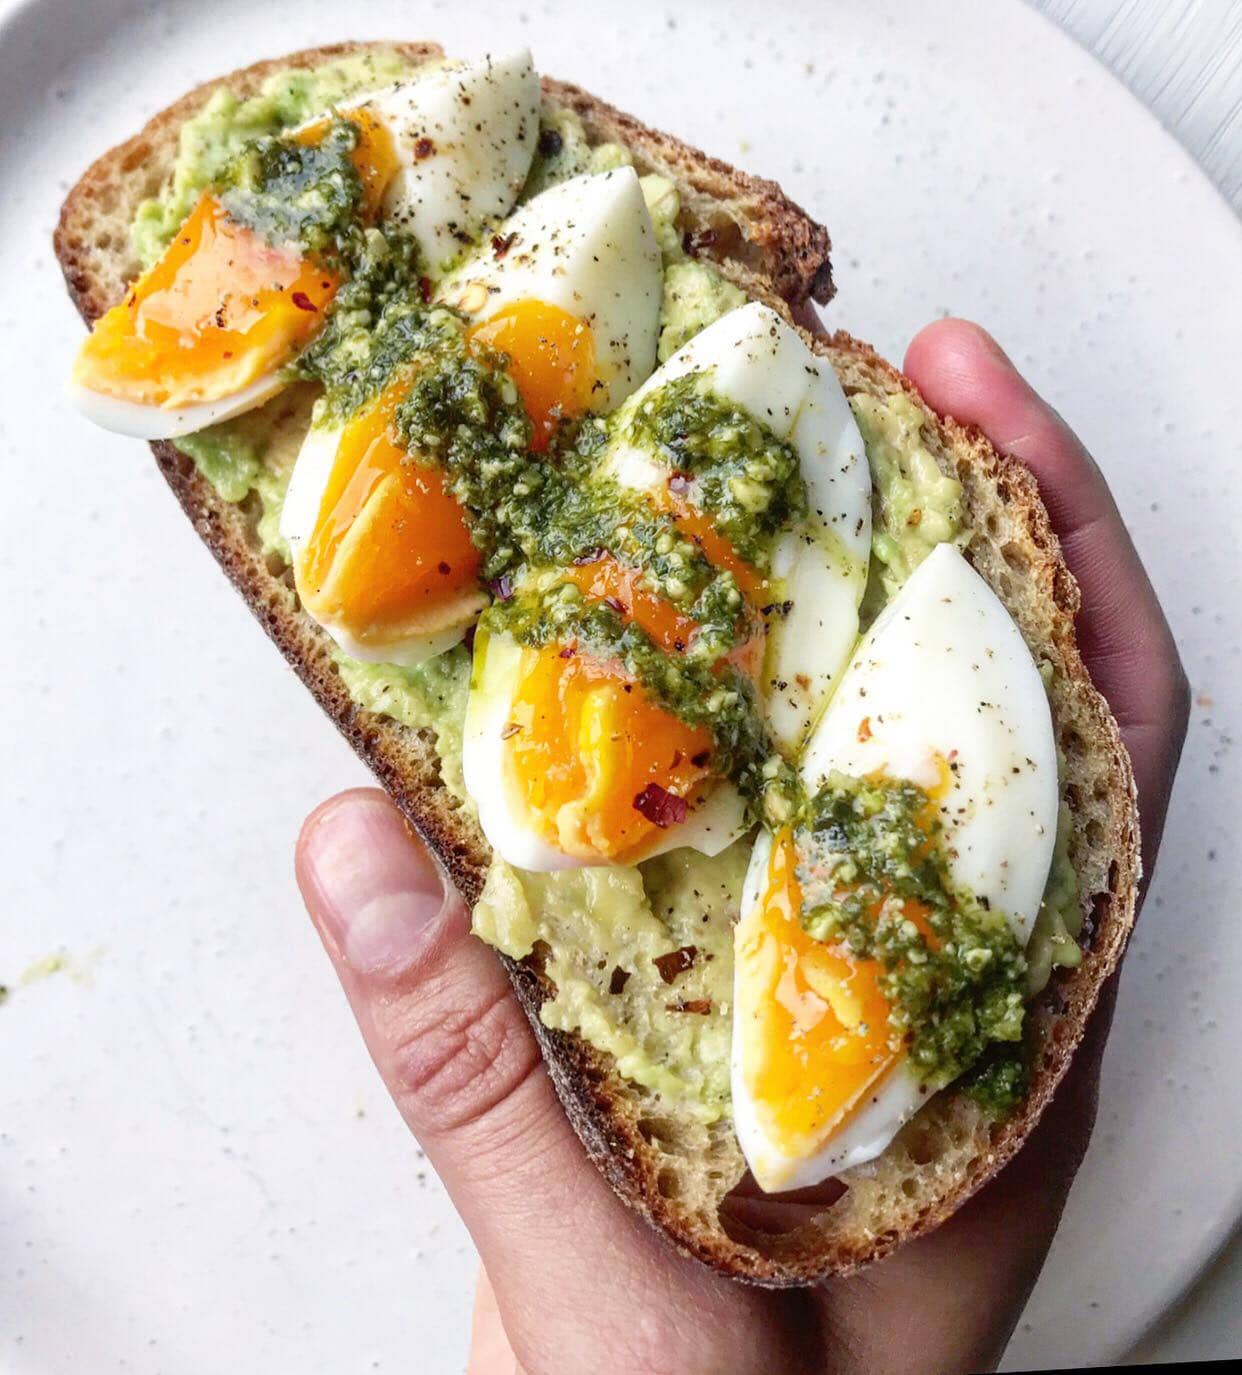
<point>569,288</point>
<point>811,594</point>
<point>942,692</point>
<point>558,750</point>
<point>205,333</point>
<point>382,553</point>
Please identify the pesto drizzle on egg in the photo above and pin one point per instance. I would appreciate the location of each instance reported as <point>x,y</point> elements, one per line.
<point>876,881</point>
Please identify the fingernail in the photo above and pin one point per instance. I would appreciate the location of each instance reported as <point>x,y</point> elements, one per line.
<point>373,887</point>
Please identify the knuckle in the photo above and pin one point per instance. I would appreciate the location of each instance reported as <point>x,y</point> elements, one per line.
<point>453,1066</point>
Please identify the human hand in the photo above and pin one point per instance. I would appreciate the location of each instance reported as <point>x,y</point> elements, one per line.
<point>573,1280</point>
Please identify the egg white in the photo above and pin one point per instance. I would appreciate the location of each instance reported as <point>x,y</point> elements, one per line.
<point>587,246</point>
<point>709,828</point>
<point>943,673</point>
<point>754,359</point>
<point>482,121</point>
<point>465,137</point>
<point>143,420</point>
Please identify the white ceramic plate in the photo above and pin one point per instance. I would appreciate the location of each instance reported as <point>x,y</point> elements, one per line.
<point>198,1170</point>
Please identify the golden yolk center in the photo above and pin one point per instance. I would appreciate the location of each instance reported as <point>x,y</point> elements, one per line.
<point>584,745</point>
<point>816,1035</point>
<point>219,311</point>
<point>391,551</point>
<point>551,361</point>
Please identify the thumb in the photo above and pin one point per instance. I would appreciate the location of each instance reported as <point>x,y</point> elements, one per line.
<point>436,1011</point>
<point>459,1058</point>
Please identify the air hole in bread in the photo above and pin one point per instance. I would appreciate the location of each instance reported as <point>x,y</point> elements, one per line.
<point>920,1142</point>
<point>668,1184</point>
<point>1016,557</point>
<point>656,1130</point>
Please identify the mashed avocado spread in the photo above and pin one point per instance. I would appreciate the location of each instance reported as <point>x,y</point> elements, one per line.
<point>641,957</point>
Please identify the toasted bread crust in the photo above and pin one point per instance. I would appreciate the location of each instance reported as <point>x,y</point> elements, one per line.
<point>770,247</point>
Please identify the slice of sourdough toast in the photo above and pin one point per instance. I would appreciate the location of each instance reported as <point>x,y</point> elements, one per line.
<point>673,1169</point>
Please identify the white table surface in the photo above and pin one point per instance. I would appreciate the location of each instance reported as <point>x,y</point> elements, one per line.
<point>1183,60</point>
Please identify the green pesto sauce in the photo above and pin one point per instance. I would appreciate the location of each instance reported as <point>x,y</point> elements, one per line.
<point>294,193</point>
<point>867,847</point>
<point>561,514</point>
<point>748,480</point>
<point>998,1080</point>
<point>222,129</point>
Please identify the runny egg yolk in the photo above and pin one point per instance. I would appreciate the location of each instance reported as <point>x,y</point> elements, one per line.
<point>551,359</point>
<point>390,554</point>
<point>817,1036</point>
<point>222,308</point>
<point>599,767</point>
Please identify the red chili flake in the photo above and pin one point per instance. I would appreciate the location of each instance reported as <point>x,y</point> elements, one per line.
<point>568,652</point>
<point>615,604</point>
<point>423,148</point>
<point>701,1006</point>
<point>620,977</point>
<point>424,289</point>
<point>679,482</point>
<point>502,243</point>
<point>502,588</point>
<point>676,962</point>
<point>679,645</point>
<point>698,760</point>
<point>445,568</point>
<point>510,730</point>
<point>304,302</point>
<point>661,807</point>
<point>864,730</point>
